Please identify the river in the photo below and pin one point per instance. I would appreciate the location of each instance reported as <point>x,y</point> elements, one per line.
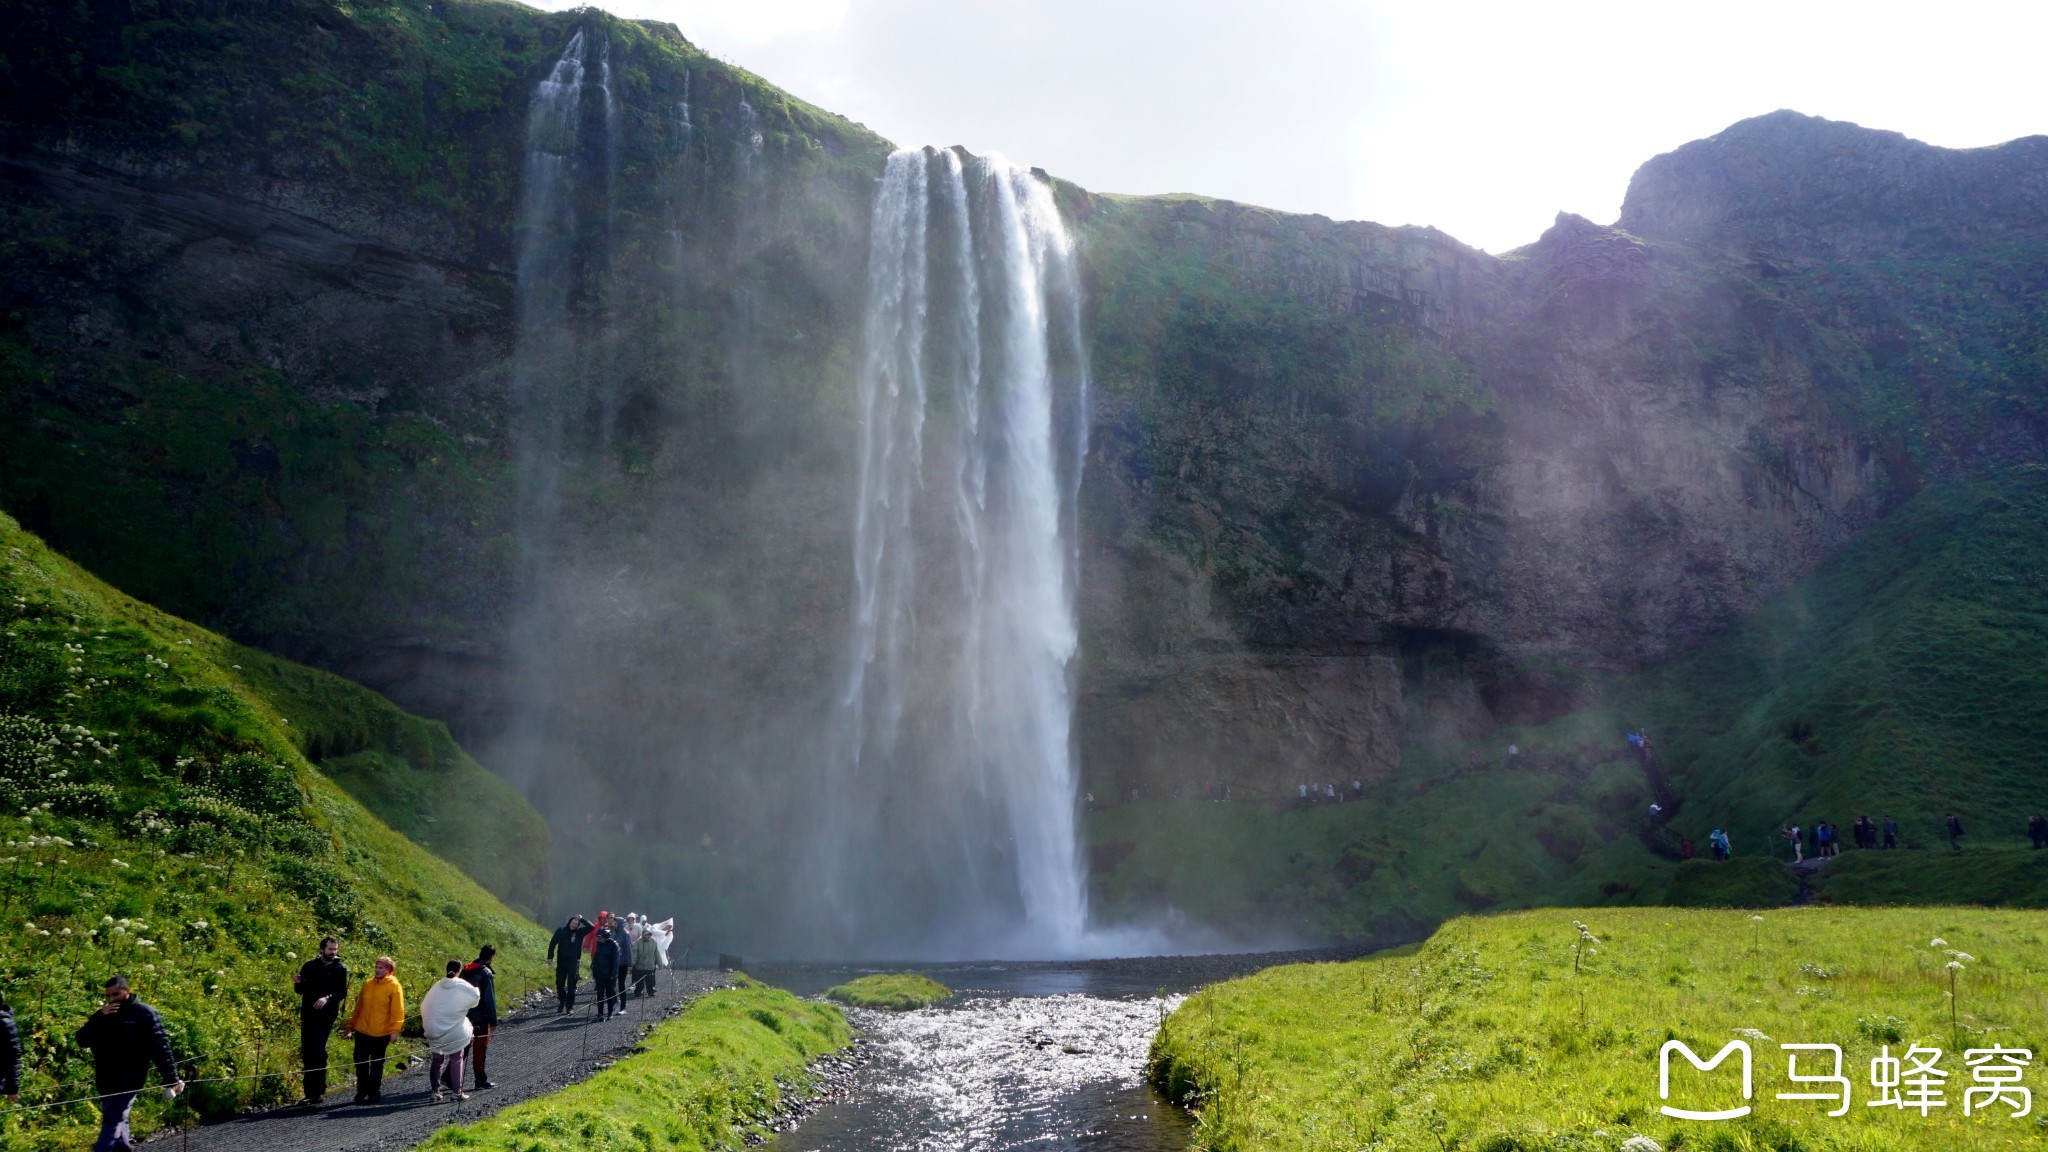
<point>1042,1056</point>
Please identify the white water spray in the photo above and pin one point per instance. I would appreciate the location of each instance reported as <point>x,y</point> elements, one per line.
<point>952,821</point>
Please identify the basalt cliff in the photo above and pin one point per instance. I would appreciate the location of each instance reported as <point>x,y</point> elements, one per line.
<point>1351,492</point>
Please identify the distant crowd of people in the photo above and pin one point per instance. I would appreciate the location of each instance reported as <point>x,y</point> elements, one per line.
<point>625,954</point>
<point>458,1017</point>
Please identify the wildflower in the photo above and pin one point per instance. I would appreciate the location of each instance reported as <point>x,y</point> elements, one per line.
<point>1954,966</point>
<point>120,863</point>
<point>1937,942</point>
<point>1965,957</point>
<point>291,955</point>
<point>141,943</point>
<point>108,919</point>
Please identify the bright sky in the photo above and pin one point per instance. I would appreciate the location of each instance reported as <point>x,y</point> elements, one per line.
<point>1482,117</point>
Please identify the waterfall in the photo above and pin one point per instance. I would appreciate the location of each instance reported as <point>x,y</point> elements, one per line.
<point>951,823</point>
<point>555,366</point>
<point>547,241</point>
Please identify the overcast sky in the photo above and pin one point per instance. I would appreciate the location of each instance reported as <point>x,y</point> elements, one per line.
<point>1482,118</point>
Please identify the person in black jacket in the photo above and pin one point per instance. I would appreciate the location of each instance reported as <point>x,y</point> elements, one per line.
<point>483,1019</point>
<point>323,985</point>
<point>604,968</point>
<point>566,950</point>
<point>10,1055</point>
<point>125,1037</point>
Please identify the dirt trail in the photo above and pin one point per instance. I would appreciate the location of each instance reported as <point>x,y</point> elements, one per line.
<point>533,1053</point>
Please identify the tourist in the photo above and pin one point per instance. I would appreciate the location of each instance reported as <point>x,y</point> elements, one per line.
<point>379,1014</point>
<point>483,1019</point>
<point>1955,832</point>
<point>1792,837</point>
<point>322,984</point>
<point>125,1037</point>
<point>622,974</point>
<point>1656,810</point>
<point>646,958</point>
<point>10,1054</point>
<point>2037,830</point>
<point>565,948</point>
<point>1891,832</point>
<point>444,1019</point>
<point>604,966</point>
<point>1718,841</point>
<point>1824,838</point>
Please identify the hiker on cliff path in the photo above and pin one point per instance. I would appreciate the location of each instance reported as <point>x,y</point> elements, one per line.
<point>646,958</point>
<point>604,968</point>
<point>1891,832</point>
<point>483,1019</point>
<point>125,1037</point>
<point>379,1014</point>
<point>1955,832</point>
<point>444,1017</point>
<point>10,1055</point>
<point>2037,830</point>
<point>1792,838</point>
<point>565,948</point>
<point>322,984</point>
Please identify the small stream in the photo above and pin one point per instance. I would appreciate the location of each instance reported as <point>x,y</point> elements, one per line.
<point>1040,1056</point>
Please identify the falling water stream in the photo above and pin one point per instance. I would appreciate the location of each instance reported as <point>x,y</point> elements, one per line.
<point>950,816</point>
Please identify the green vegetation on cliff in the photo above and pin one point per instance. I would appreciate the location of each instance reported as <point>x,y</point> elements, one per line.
<point>712,1077</point>
<point>160,820</point>
<point>1904,678</point>
<point>1523,1033</point>
<point>894,991</point>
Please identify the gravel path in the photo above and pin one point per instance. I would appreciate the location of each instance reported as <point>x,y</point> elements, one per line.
<point>534,1052</point>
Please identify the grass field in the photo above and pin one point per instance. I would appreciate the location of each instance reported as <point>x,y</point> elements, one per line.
<point>895,991</point>
<point>1520,1033</point>
<point>712,1077</point>
<point>159,818</point>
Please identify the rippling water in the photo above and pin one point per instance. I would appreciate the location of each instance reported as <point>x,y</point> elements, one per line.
<point>1024,1057</point>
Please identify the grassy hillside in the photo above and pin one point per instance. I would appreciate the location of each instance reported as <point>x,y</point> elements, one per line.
<point>1518,1033</point>
<point>712,1077</point>
<point>409,772</point>
<point>1905,677</point>
<point>160,820</point>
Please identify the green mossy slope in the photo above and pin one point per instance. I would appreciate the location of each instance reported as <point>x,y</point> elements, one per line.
<point>712,1077</point>
<point>412,774</point>
<point>160,820</point>
<point>1497,1036</point>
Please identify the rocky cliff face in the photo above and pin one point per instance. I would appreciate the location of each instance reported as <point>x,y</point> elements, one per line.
<point>1350,487</point>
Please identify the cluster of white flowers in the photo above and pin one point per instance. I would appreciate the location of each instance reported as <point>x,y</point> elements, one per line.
<point>35,841</point>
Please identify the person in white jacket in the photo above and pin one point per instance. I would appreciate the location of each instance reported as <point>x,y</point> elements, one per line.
<point>444,1017</point>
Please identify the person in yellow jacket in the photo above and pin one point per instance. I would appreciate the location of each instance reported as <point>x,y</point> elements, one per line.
<point>379,1014</point>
